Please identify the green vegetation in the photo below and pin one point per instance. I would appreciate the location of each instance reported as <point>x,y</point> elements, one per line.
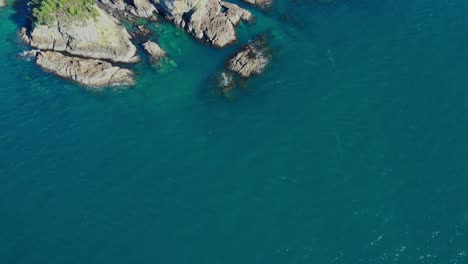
<point>46,11</point>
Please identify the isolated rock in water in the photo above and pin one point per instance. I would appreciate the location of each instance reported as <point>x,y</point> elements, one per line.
<point>252,59</point>
<point>153,49</point>
<point>210,20</point>
<point>88,72</point>
<point>3,3</point>
<point>99,38</point>
<point>261,3</point>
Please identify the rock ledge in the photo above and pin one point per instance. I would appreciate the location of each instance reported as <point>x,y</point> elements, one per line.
<point>88,72</point>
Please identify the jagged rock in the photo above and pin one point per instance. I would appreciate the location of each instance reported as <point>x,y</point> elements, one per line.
<point>3,3</point>
<point>99,38</point>
<point>252,59</point>
<point>115,4</point>
<point>137,8</point>
<point>143,8</point>
<point>23,34</point>
<point>260,3</point>
<point>153,49</point>
<point>88,72</point>
<point>210,20</point>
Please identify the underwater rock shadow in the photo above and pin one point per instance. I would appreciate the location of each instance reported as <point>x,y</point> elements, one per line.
<point>230,84</point>
<point>21,16</point>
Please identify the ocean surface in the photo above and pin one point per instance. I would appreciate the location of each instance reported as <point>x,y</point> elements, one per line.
<point>351,148</point>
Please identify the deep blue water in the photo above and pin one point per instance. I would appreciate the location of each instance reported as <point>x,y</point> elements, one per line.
<point>351,148</point>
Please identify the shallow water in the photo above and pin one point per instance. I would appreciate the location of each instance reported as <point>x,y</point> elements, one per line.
<point>351,148</point>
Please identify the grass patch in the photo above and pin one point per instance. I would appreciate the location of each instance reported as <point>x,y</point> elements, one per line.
<point>47,11</point>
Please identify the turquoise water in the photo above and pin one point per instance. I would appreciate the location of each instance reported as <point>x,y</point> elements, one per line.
<point>351,148</point>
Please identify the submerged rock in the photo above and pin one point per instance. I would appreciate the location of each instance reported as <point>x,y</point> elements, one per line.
<point>88,72</point>
<point>153,49</point>
<point>252,59</point>
<point>143,31</point>
<point>140,34</point>
<point>98,38</point>
<point>226,81</point>
<point>210,20</point>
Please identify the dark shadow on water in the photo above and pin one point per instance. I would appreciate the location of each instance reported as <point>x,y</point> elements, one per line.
<point>211,91</point>
<point>21,17</point>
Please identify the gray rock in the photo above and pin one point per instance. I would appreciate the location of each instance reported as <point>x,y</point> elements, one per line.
<point>23,34</point>
<point>137,8</point>
<point>115,4</point>
<point>260,3</point>
<point>88,72</point>
<point>100,38</point>
<point>153,49</point>
<point>210,20</point>
<point>3,3</point>
<point>252,59</point>
<point>143,8</point>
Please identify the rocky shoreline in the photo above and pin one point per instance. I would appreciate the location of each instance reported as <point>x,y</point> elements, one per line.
<point>89,72</point>
<point>85,50</point>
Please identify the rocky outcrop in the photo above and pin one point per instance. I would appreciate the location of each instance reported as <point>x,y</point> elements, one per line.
<point>99,38</point>
<point>260,3</point>
<point>210,20</point>
<point>3,3</point>
<point>88,72</point>
<point>137,8</point>
<point>252,59</point>
<point>143,8</point>
<point>155,52</point>
<point>115,4</point>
